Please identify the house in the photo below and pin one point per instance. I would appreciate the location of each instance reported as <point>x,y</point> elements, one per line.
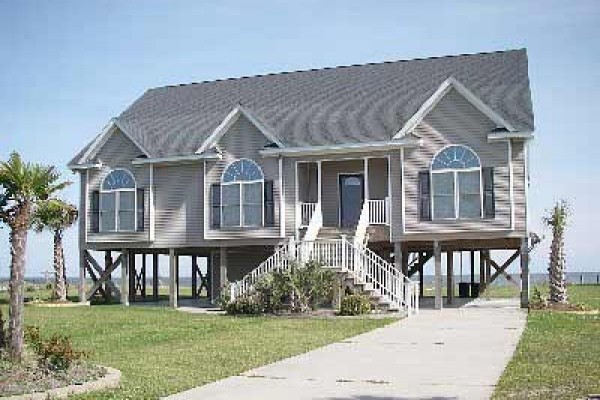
<point>373,169</point>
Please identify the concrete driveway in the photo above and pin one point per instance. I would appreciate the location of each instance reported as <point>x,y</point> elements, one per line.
<point>456,353</point>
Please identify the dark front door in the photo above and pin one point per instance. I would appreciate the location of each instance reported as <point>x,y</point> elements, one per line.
<point>351,199</point>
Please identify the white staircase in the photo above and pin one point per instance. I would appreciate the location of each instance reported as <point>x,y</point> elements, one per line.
<point>385,284</point>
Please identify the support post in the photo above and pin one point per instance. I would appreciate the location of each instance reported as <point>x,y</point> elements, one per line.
<point>366,177</point>
<point>481,271</point>
<point>125,277</point>
<point>450,277</point>
<point>107,264</point>
<point>173,279</point>
<point>488,269</point>
<point>194,277</point>
<point>222,266</point>
<point>437,254</point>
<point>524,273</point>
<point>81,285</point>
<point>472,260</point>
<point>421,277</point>
<point>155,277</point>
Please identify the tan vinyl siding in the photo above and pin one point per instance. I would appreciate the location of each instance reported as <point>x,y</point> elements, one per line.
<point>455,121</point>
<point>241,260</point>
<point>117,152</point>
<point>289,183</point>
<point>519,193</point>
<point>330,196</point>
<point>396,195</point>
<point>244,140</point>
<point>378,178</point>
<point>178,205</point>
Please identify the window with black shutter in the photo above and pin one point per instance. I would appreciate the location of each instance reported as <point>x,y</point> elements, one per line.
<point>489,200</point>
<point>215,195</point>
<point>95,210</point>
<point>424,196</point>
<point>140,210</point>
<point>269,204</point>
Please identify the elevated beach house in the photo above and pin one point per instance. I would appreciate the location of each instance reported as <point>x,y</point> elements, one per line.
<point>370,169</point>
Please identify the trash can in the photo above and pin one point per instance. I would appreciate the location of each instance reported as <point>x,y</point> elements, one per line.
<point>463,289</point>
<point>475,289</point>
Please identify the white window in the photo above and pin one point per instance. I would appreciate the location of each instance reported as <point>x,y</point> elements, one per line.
<point>456,184</point>
<point>117,202</point>
<point>242,187</point>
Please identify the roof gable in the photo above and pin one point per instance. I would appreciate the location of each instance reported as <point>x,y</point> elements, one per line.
<point>438,95</point>
<point>229,121</point>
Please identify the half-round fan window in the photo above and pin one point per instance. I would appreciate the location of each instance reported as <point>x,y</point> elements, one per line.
<point>456,183</point>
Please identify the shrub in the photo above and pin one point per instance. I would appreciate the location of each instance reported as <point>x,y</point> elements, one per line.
<point>2,332</point>
<point>537,300</point>
<point>247,305</point>
<point>355,304</point>
<point>30,288</point>
<point>311,284</point>
<point>55,353</point>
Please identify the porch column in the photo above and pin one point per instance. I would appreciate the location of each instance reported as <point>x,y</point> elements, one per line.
<point>125,277</point>
<point>173,289</point>
<point>223,266</point>
<point>450,277</point>
<point>488,269</point>
<point>481,272</point>
<point>437,254</point>
<point>366,175</point>
<point>472,260</point>
<point>524,273</point>
<point>319,183</point>
<point>398,256</point>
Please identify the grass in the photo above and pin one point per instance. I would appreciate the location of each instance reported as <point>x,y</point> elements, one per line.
<point>162,351</point>
<point>557,357</point>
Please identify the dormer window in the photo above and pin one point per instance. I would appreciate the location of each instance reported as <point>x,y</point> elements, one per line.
<point>456,184</point>
<point>242,185</point>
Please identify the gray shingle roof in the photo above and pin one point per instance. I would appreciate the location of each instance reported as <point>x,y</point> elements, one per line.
<point>352,104</point>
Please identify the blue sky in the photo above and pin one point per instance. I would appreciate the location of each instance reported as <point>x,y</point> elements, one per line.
<point>67,67</point>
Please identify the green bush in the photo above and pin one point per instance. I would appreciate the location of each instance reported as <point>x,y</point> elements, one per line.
<point>55,353</point>
<point>355,304</point>
<point>246,305</point>
<point>30,288</point>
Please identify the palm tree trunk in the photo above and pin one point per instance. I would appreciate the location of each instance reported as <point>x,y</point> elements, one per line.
<point>60,289</point>
<point>558,289</point>
<point>18,242</point>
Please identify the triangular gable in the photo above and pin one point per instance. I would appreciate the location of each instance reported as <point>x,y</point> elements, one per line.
<point>94,147</point>
<point>229,121</point>
<point>442,90</point>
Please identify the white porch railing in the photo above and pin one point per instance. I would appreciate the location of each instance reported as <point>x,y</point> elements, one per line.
<point>306,213</point>
<point>378,211</point>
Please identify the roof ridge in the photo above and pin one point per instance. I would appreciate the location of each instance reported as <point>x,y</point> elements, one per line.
<point>337,67</point>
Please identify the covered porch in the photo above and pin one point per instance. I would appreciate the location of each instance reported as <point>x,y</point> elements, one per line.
<point>338,191</point>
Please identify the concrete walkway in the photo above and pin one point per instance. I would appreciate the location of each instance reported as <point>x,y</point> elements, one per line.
<point>456,353</point>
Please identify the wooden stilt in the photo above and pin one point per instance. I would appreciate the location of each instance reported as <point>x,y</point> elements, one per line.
<point>194,277</point>
<point>481,271</point>
<point>450,277</point>
<point>421,277</point>
<point>155,276</point>
<point>125,277</point>
<point>107,264</point>
<point>81,285</point>
<point>488,269</point>
<point>472,261</point>
<point>524,251</point>
<point>437,253</point>
<point>173,290</point>
<point>143,273</point>
<point>132,275</point>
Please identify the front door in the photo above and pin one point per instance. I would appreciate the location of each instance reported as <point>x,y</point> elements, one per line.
<point>351,199</point>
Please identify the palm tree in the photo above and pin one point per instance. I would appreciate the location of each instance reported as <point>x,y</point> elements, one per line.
<point>56,215</point>
<point>22,185</point>
<point>557,220</point>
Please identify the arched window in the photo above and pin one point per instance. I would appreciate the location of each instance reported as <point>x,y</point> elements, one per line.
<point>456,183</point>
<point>117,202</point>
<point>242,194</point>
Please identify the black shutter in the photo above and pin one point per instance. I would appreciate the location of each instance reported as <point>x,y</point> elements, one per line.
<point>95,208</point>
<point>424,196</point>
<point>215,195</point>
<point>140,210</point>
<point>489,201</point>
<point>269,204</point>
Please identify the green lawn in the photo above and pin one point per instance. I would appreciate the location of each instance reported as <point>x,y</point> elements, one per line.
<point>558,355</point>
<point>161,351</point>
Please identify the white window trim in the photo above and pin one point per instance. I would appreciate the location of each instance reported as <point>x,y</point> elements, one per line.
<point>117,204</point>
<point>455,173</point>
<point>241,204</point>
